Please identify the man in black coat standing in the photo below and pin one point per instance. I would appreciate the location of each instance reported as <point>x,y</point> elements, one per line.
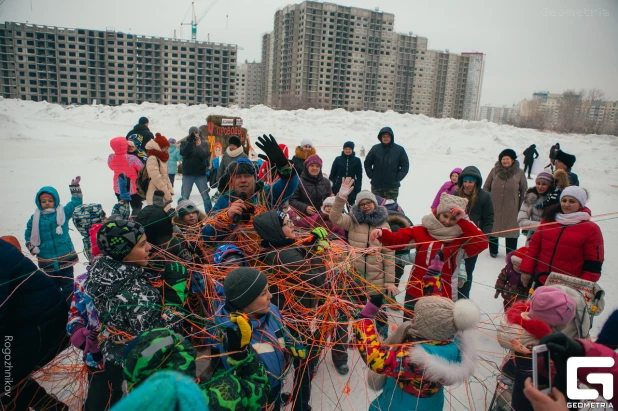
<point>386,165</point>
<point>347,165</point>
<point>530,154</point>
<point>195,152</point>
<point>141,129</point>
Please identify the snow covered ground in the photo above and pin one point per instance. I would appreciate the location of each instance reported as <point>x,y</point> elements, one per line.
<point>46,144</point>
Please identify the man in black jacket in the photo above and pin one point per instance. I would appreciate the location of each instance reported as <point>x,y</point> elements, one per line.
<point>195,152</point>
<point>386,165</point>
<point>347,165</point>
<point>141,129</point>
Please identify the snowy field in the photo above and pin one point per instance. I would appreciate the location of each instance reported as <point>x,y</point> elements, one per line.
<point>46,144</point>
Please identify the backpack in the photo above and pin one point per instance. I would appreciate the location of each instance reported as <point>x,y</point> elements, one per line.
<point>143,180</point>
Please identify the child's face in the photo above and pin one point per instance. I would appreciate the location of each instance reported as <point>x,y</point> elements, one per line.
<point>327,209</point>
<point>454,178</point>
<point>288,228</point>
<point>447,219</point>
<point>468,186</point>
<point>367,206</point>
<point>542,187</point>
<point>516,265</point>
<point>190,218</point>
<point>131,147</point>
<point>139,253</point>
<point>47,201</point>
<point>260,305</point>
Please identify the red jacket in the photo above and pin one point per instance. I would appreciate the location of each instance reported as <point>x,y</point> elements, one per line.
<point>473,242</point>
<point>121,162</point>
<point>576,250</point>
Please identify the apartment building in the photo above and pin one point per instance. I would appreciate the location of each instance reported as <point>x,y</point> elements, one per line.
<point>249,84</point>
<point>80,66</point>
<point>334,56</point>
<point>498,115</point>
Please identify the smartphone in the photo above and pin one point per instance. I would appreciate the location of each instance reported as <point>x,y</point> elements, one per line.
<point>541,369</point>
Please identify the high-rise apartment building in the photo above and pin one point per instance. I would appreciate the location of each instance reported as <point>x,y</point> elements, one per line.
<point>333,56</point>
<point>79,66</point>
<point>498,115</point>
<point>249,80</point>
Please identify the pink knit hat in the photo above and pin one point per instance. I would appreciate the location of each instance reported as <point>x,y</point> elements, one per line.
<point>313,159</point>
<point>552,306</point>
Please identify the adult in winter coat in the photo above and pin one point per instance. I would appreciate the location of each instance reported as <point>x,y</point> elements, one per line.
<point>567,242</point>
<point>565,161</point>
<point>530,215</point>
<point>480,209</point>
<point>233,152</point>
<point>157,169</point>
<point>507,185</point>
<point>347,165</point>
<point>313,188</point>
<point>552,154</point>
<point>386,165</point>
<point>449,187</point>
<point>195,152</point>
<point>377,269</point>
<point>34,315</point>
<point>175,158</point>
<point>141,135</point>
<point>123,163</point>
<point>529,155</point>
<point>302,152</point>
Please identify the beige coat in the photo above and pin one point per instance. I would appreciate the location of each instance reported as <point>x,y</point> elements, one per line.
<point>507,188</point>
<point>157,172</point>
<point>377,269</point>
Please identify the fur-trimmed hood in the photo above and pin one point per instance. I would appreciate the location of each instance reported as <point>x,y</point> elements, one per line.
<point>299,153</point>
<point>177,220</point>
<point>561,178</point>
<point>398,219</point>
<point>374,219</point>
<point>505,173</point>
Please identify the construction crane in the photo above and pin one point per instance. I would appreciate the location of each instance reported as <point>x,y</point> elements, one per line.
<point>196,20</point>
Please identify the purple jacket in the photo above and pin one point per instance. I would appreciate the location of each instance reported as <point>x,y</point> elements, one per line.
<point>449,187</point>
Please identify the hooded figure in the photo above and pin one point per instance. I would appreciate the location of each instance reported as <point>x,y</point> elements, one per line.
<point>141,135</point>
<point>157,169</point>
<point>347,165</point>
<point>449,187</point>
<point>122,163</point>
<point>386,165</point>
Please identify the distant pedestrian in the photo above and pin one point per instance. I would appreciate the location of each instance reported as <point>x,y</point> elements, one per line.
<point>552,156</point>
<point>141,135</point>
<point>386,165</point>
<point>530,154</point>
<point>347,165</point>
<point>195,152</point>
<point>302,152</point>
<point>175,158</point>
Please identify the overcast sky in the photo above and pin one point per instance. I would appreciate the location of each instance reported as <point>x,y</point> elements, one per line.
<point>529,46</point>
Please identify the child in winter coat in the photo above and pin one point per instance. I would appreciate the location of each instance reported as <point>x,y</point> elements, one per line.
<point>320,220</point>
<point>446,229</point>
<point>122,163</point>
<point>175,158</point>
<point>511,283</point>
<point>561,181</point>
<point>47,236</point>
<point>524,325</point>
<point>426,354</point>
<point>157,169</point>
<point>449,187</point>
<point>530,216</point>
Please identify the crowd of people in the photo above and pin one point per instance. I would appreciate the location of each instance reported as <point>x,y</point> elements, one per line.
<point>267,278</point>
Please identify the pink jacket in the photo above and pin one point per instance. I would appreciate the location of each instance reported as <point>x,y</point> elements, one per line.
<point>447,188</point>
<point>121,162</point>
<point>598,350</point>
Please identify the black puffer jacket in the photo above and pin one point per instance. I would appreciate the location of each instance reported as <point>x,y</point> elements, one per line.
<point>346,166</point>
<point>142,130</point>
<point>311,192</point>
<point>482,213</point>
<point>195,159</point>
<point>387,165</point>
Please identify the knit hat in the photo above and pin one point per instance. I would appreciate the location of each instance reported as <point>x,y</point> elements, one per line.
<point>306,142</point>
<point>243,285</point>
<point>508,153</point>
<point>242,166</point>
<point>157,224</point>
<point>448,201</point>
<point>143,120</point>
<point>518,255</point>
<point>234,140</point>
<point>348,144</point>
<point>566,158</point>
<point>313,159</point>
<point>117,238</point>
<point>161,141</point>
<point>545,177</point>
<point>11,240</point>
<point>185,207</point>
<point>193,129</point>
<point>577,193</point>
<point>366,195</point>
<point>155,350</point>
<point>469,178</point>
<point>172,140</point>
<point>439,318</point>
<point>552,306</point>
<point>230,252</point>
<point>328,201</point>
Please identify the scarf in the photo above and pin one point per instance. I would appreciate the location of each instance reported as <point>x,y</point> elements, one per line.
<point>573,218</point>
<point>438,231</point>
<point>35,237</point>
<point>160,155</point>
<point>234,153</point>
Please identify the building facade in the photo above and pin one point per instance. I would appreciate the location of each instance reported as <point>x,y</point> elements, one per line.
<point>79,66</point>
<point>498,115</point>
<point>249,84</point>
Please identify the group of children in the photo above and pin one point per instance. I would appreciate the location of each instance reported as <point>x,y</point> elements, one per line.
<point>146,299</point>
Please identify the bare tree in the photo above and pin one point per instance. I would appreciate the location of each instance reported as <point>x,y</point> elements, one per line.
<point>569,109</point>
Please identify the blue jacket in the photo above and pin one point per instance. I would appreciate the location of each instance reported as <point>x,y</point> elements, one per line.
<point>266,195</point>
<point>268,340</point>
<point>175,157</point>
<point>54,248</point>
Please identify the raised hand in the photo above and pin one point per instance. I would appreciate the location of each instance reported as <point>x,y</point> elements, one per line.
<point>375,234</point>
<point>347,186</point>
<point>76,180</point>
<point>269,145</point>
<point>458,213</point>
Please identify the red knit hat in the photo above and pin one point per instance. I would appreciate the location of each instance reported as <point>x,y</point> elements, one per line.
<point>519,254</point>
<point>161,141</point>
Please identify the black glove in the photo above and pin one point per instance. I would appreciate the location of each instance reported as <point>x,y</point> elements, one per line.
<point>269,145</point>
<point>174,284</point>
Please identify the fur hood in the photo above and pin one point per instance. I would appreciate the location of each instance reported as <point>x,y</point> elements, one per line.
<point>561,179</point>
<point>505,173</point>
<point>398,219</point>
<point>301,154</point>
<point>374,219</point>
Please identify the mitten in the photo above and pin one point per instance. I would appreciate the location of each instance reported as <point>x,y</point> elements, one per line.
<point>298,351</point>
<point>237,339</point>
<point>320,233</point>
<point>76,190</point>
<point>432,283</point>
<point>124,185</point>
<point>121,210</point>
<point>34,250</point>
<point>174,284</point>
<point>92,346</point>
<point>525,279</point>
<point>79,333</point>
<point>372,307</point>
<point>158,199</point>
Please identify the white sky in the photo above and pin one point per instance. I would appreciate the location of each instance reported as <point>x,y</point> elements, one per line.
<point>526,48</point>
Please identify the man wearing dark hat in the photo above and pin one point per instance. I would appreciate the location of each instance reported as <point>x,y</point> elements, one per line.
<point>387,165</point>
<point>141,129</point>
<point>195,152</point>
<point>347,165</point>
<point>565,161</point>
